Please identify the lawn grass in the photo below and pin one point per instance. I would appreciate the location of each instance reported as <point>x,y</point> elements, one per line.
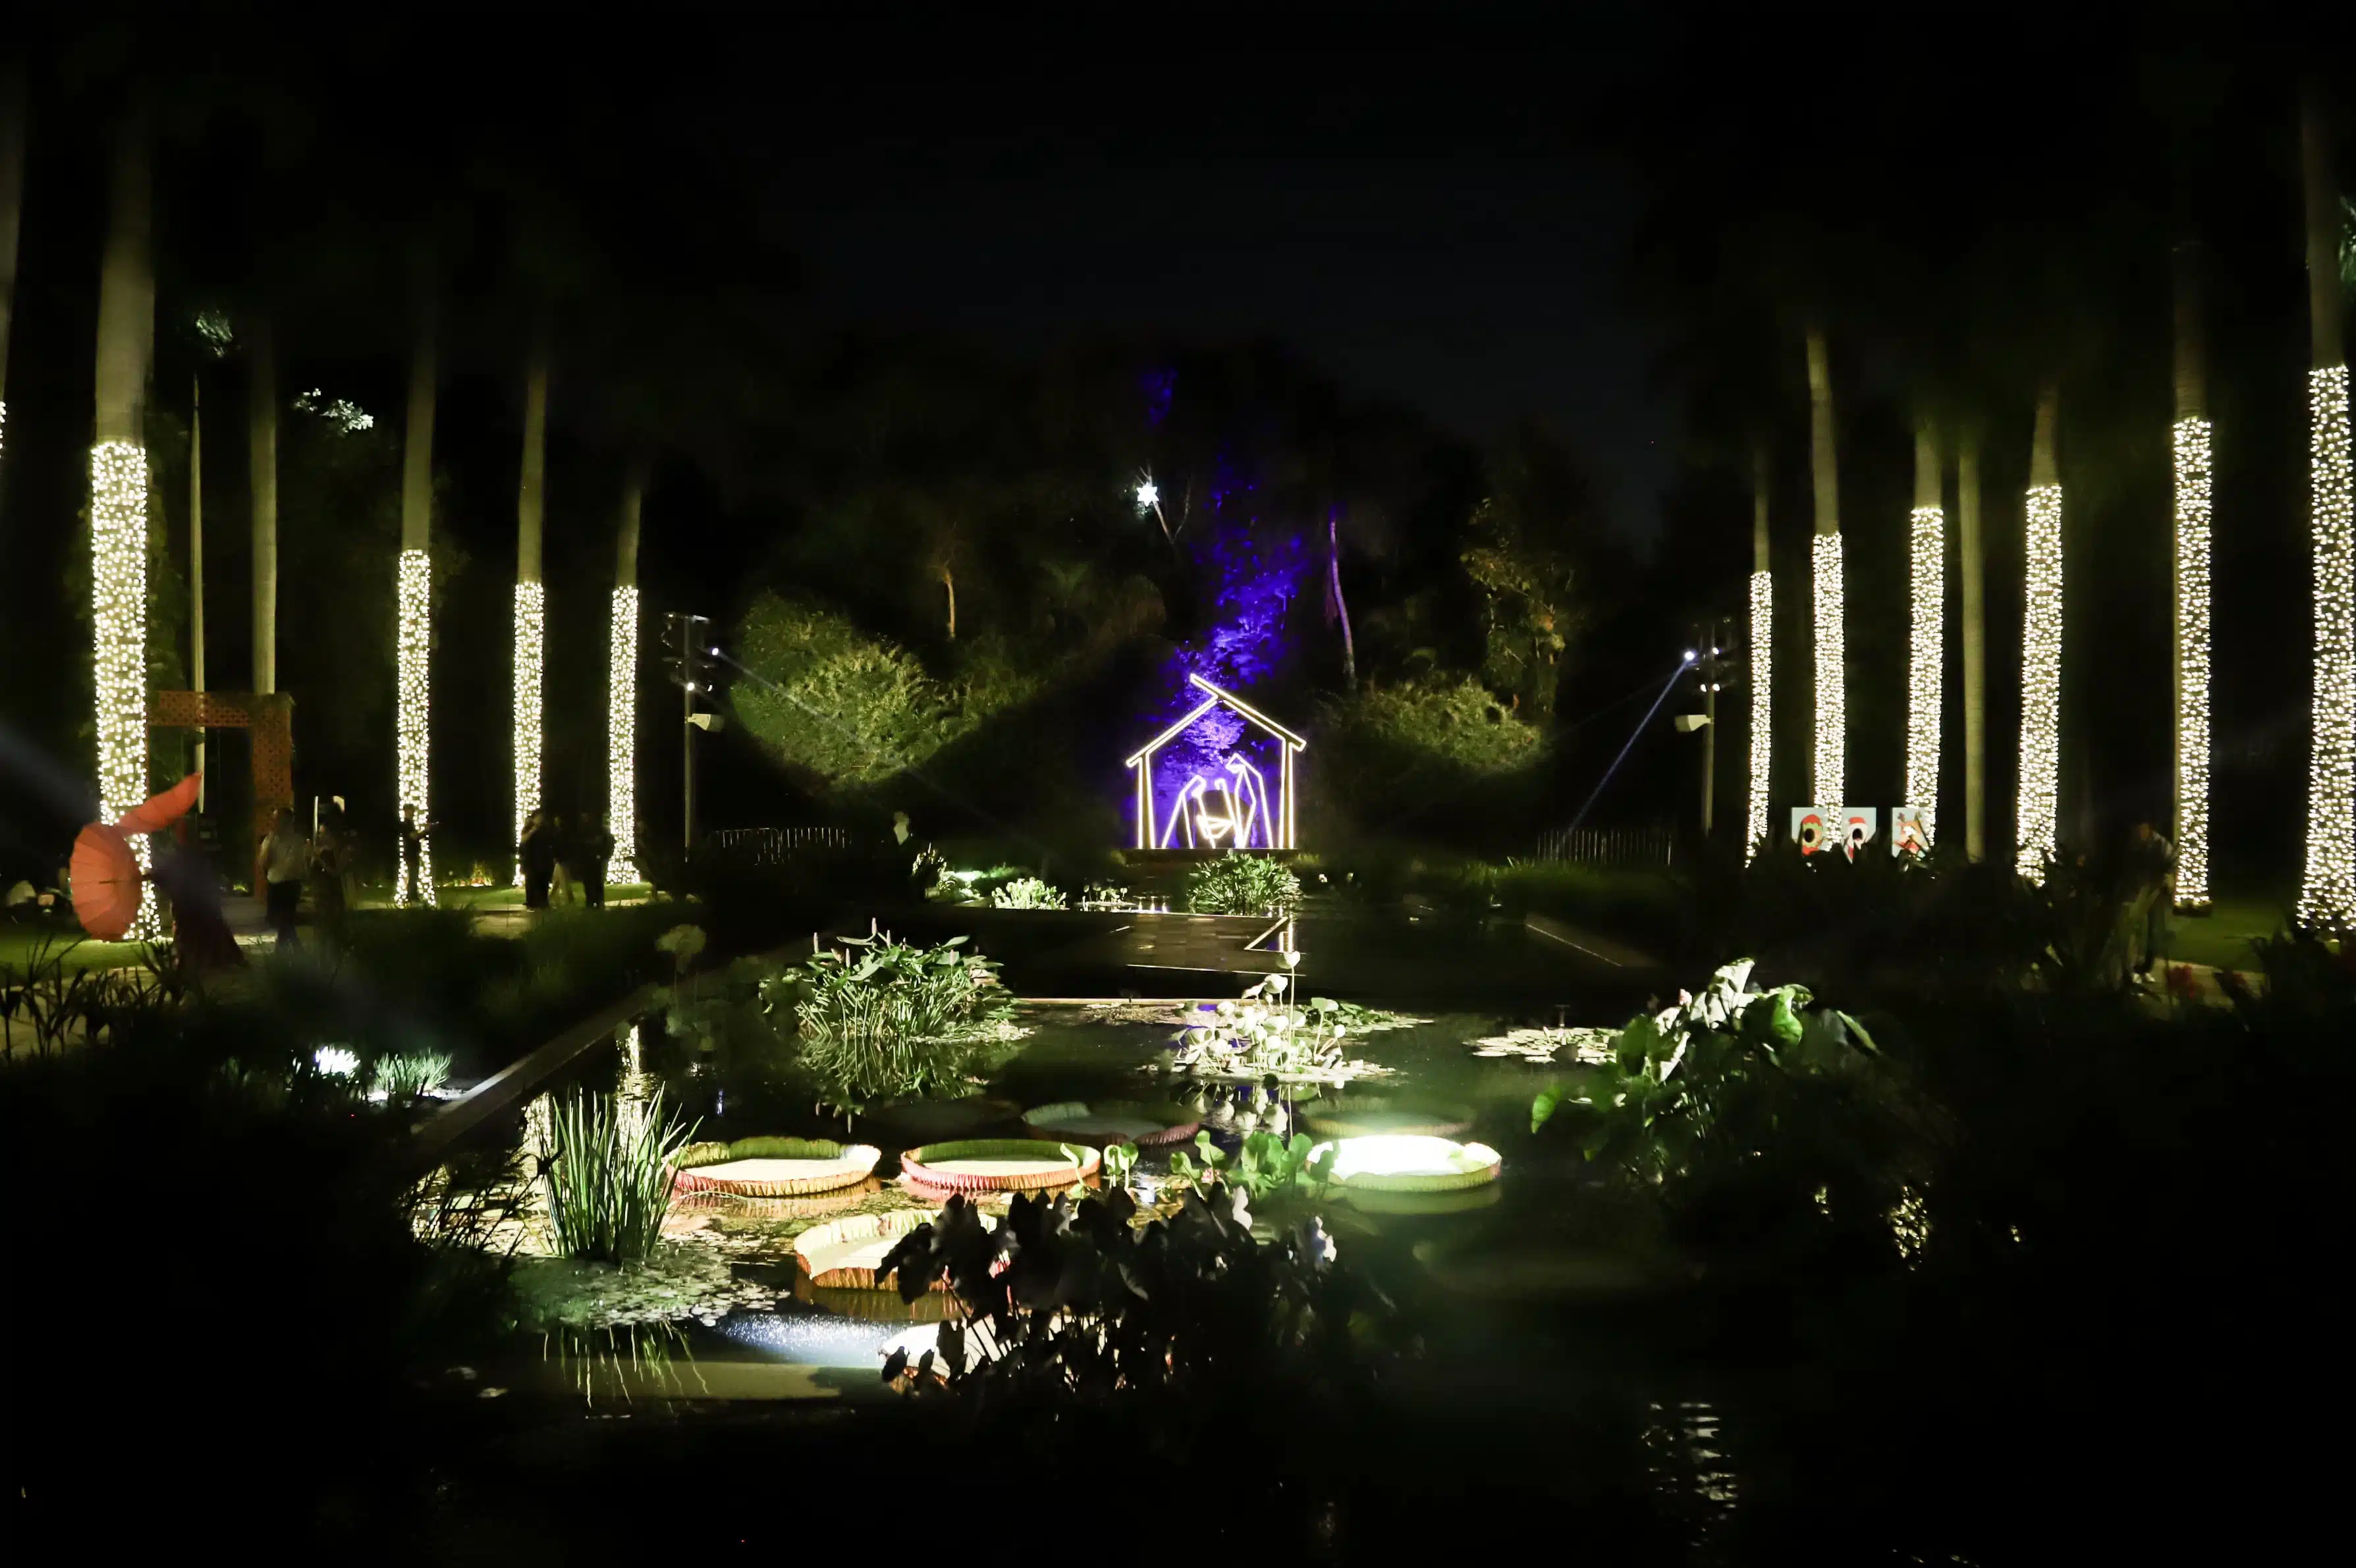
<point>2222,936</point>
<point>18,942</point>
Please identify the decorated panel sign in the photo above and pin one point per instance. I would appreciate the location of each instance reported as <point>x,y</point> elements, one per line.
<point>1835,829</point>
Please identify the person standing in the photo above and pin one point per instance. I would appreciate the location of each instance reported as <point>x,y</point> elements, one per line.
<point>279,866</point>
<point>2152,863</point>
<point>537,855</point>
<point>199,931</point>
<point>595,846</point>
<point>564,879</point>
<point>412,835</point>
<point>327,854</point>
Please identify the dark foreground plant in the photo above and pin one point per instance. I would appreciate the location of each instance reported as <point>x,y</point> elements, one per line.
<point>1183,1322</point>
<point>608,1174</point>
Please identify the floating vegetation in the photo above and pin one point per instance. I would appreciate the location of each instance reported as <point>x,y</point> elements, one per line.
<point>1575,1043</point>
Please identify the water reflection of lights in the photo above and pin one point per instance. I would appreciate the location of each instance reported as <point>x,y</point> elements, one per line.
<point>816,1338</point>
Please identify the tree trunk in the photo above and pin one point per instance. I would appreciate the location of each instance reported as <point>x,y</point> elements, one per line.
<point>2037,805</point>
<point>262,431</point>
<point>2327,891</point>
<point>414,589</point>
<point>1926,662</point>
<point>1341,605</point>
<point>621,686</point>
<point>118,486</point>
<point>1828,774</point>
<point>12,212</point>
<point>1972,549</point>
<point>531,602</point>
<point>197,562</point>
<point>1763,657</point>
<point>2191,595</point>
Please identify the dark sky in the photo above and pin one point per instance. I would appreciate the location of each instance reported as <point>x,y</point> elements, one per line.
<point>1480,282</point>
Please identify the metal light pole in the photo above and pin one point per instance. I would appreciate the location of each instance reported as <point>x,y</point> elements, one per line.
<point>196,564</point>
<point>690,663</point>
<point>1709,683</point>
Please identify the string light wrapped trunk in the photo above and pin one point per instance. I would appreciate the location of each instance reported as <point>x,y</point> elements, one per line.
<point>2189,442</point>
<point>2327,895</point>
<point>2038,813</point>
<point>531,597</point>
<point>1829,774</point>
<point>1927,538</point>
<point>1762,660</point>
<point>413,596</point>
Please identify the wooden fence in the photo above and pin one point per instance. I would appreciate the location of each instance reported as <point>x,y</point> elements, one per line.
<point>772,845</point>
<point>1652,844</point>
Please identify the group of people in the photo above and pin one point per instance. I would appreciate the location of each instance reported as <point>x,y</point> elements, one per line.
<point>287,860</point>
<point>564,862</point>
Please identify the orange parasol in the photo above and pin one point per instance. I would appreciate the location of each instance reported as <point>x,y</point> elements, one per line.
<point>163,810</point>
<point>105,881</point>
<point>105,873</point>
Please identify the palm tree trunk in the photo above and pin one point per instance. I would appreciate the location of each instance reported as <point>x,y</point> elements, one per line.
<point>1973,550</point>
<point>261,439</point>
<point>2037,814</point>
<point>2327,891</point>
<point>622,686</point>
<point>1763,657</point>
<point>1926,663</point>
<point>12,213</point>
<point>118,489</point>
<point>413,591</point>
<point>1828,776</point>
<point>530,598</point>
<point>2192,549</point>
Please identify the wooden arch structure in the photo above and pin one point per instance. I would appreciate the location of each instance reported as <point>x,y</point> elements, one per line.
<point>270,716</point>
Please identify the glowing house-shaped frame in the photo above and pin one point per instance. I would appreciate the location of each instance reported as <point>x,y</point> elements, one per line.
<point>1229,812</point>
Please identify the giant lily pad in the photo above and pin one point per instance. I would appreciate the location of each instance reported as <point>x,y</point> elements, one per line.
<point>1404,1163</point>
<point>1104,1122</point>
<point>775,1167</point>
<point>998,1164</point>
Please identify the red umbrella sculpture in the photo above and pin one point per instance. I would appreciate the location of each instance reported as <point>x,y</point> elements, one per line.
<point>106,877</point>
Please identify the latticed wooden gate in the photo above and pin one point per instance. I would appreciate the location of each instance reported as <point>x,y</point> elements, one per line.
<point>271,718</point>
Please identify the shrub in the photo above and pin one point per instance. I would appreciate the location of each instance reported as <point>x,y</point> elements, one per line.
<point>883,1020</point>
<point>1026,892</point>
<point>606,1168</point>
<point>1238,883</point>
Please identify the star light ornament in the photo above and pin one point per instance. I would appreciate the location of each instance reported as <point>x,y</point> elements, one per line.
<point>413,600</point>
<point>1762,655</point>
<point>1828,779</point>
<point>1148,498</point>
<point>2192,664</point>
<point>118,544</point>
<point>2040,687</point>
<point>530,622</point>
<point>2327,895</point>
<point>621,736</point>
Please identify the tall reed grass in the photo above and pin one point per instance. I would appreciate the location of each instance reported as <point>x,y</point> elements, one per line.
<point>607,1170</point>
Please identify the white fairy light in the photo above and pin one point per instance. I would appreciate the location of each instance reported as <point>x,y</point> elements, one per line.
<point>1925,662</point>
<point>622,735</point>
<point>531,623</point>
<point>414,708</point>
<point>118,578</point>
<point>2192,664</point>
<point>1148,498</point>
<point>2328,893</point>
<point>2040,686</point>
<point>1763,657</point>
<point>1828,782</point>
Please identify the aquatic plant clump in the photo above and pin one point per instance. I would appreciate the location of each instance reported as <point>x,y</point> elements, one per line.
<point>408,1074</point>
<point>1270,1033</point>
<point>1026,892</point>
<point>606,1168</point>
<point>1237,883</point>
<point>883,1020</point>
